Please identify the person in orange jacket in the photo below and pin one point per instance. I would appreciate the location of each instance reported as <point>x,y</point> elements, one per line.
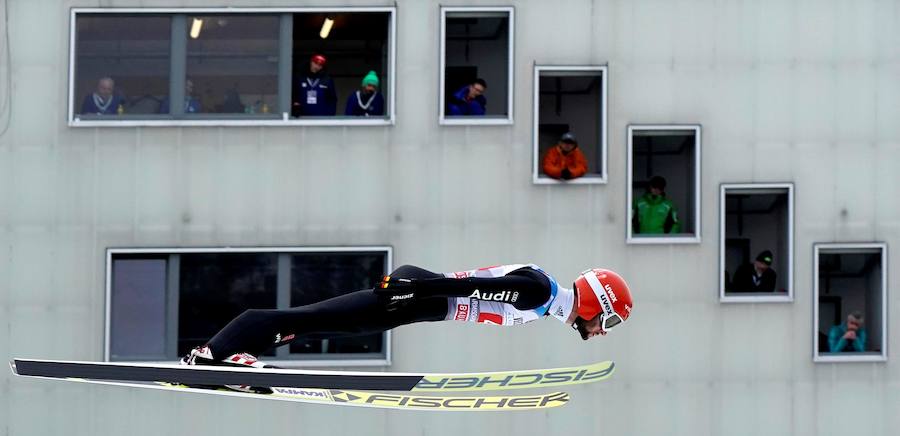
<point>564,160</point>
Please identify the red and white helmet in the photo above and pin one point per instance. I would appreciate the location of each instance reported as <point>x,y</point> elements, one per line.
<point>602,292</point>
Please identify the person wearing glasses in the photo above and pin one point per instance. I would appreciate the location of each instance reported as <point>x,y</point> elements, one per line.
<point>503,295</point>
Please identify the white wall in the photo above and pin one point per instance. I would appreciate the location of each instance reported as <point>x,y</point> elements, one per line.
<point>802,91</point>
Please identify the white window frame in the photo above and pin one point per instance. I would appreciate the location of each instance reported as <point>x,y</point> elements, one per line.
<point>687,239</point>
<point>587,179</point>
<point>74,121</point>
<point>386,361</point>
<point>763,188</point>
<point>820,247</point>
<point>477,121</point>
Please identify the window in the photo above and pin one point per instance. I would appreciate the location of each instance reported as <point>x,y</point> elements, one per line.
<point>356,50</point>
<point>161,303</point>
<point>570,100</point>
<point>121,66</point>
<point>756,249</point>
<point>664,182</point>
<point>476,63</point>
<point>850,302</point>
<point>231,66</point>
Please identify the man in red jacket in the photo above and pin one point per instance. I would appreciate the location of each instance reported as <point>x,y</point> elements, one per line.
<point>564,160</point>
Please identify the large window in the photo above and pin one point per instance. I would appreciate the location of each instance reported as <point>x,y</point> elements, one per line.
<point>756,248</point>
<point>664,184</point>
<point>850,302</point>
<point>232,66</point>
<point>476,63</point>
<point>161,303</point>
<point>569,124</point>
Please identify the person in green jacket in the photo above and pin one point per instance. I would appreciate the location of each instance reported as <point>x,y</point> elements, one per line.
<point>848,336</point>
<point>653,212</point>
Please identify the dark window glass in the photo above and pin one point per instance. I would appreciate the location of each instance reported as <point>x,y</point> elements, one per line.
<point>138,308</point>
<point>316,277</point>
<point>668,156</point>
<point>215,288</point>
<point>477,47</point>
<point>850,283</point>
<point>355,45</point>
<point>121,64</point>
<point>571,103</point>
<point>232,64</point>
<point>756,229</point>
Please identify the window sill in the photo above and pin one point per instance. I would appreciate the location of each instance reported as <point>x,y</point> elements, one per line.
<point>659,240</point>
<point>871,356</point>
<point>475,121</point>
<point>750,297</point>
<point>339,122</point>
<point>590,179</point>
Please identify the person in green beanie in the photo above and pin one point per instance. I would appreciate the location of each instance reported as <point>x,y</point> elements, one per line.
<point>654,213</point>
<point>366,101</point>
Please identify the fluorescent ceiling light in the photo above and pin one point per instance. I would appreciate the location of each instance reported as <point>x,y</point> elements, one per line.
<point>326,27</point>
<point>195,27</point>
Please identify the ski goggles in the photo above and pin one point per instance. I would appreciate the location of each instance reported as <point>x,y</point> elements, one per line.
<point>609,321</point>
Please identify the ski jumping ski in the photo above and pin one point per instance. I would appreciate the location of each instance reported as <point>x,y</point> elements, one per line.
<point>321,380</point>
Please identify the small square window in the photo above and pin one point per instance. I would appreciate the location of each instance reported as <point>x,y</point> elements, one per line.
<point>570,124</point>
<point>476,63</point>
<point>850,301</point>
<point>664,184</point>
<point>756,229</point>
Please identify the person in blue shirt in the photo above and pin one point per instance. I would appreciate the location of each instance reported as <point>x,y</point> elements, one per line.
<point>191,104</point>
<point>848,336</point>
<point>468,100</point>
<point>314,93</point>
<point>103,101</point>
<point>366,101</point>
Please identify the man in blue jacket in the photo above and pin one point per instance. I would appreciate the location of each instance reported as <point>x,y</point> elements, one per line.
<point>314,94</point>
<point>366,101</point>
<point>103,101</point>
<point>468,100</point>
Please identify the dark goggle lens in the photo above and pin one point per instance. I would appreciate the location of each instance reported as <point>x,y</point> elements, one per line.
<point>611,322</point>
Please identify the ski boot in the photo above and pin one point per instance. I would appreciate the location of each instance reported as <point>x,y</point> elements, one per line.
<point>203,356</point>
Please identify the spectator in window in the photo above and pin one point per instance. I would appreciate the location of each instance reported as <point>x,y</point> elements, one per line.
<point>653,212</point>
<point>849,336</point>
<point>103,101</point>
<point>468,100</point>
<point>565,161</point>
<point>366,101</point>
<point>757,276</point>
<point>314,94</point>
<point>191,104</point>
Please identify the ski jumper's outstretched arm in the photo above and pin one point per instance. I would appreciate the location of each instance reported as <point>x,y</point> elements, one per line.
<point>524,288</point>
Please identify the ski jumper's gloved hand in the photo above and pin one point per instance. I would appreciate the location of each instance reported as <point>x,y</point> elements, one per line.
<point>395,292</point>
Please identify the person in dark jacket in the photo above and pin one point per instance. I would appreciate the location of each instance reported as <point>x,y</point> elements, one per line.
<point>366,101</point>
<point>757,276</point>
<point>468,100</point>
<point>314,94</point>
<point>103,101</point>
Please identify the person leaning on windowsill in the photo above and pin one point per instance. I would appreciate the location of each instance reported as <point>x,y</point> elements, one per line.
<point>564,161</point>
<point>849,336</point>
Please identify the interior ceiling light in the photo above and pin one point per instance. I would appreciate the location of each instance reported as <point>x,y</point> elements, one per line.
<point>326,27</point>
<point>195,27</point>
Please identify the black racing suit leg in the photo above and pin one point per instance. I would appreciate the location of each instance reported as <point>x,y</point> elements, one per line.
<point>357,313</point>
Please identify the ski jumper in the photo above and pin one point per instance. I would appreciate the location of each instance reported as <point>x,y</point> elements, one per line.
<point>501,295</point>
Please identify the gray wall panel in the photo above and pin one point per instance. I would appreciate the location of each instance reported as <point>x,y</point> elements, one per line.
<point>785,91</point>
